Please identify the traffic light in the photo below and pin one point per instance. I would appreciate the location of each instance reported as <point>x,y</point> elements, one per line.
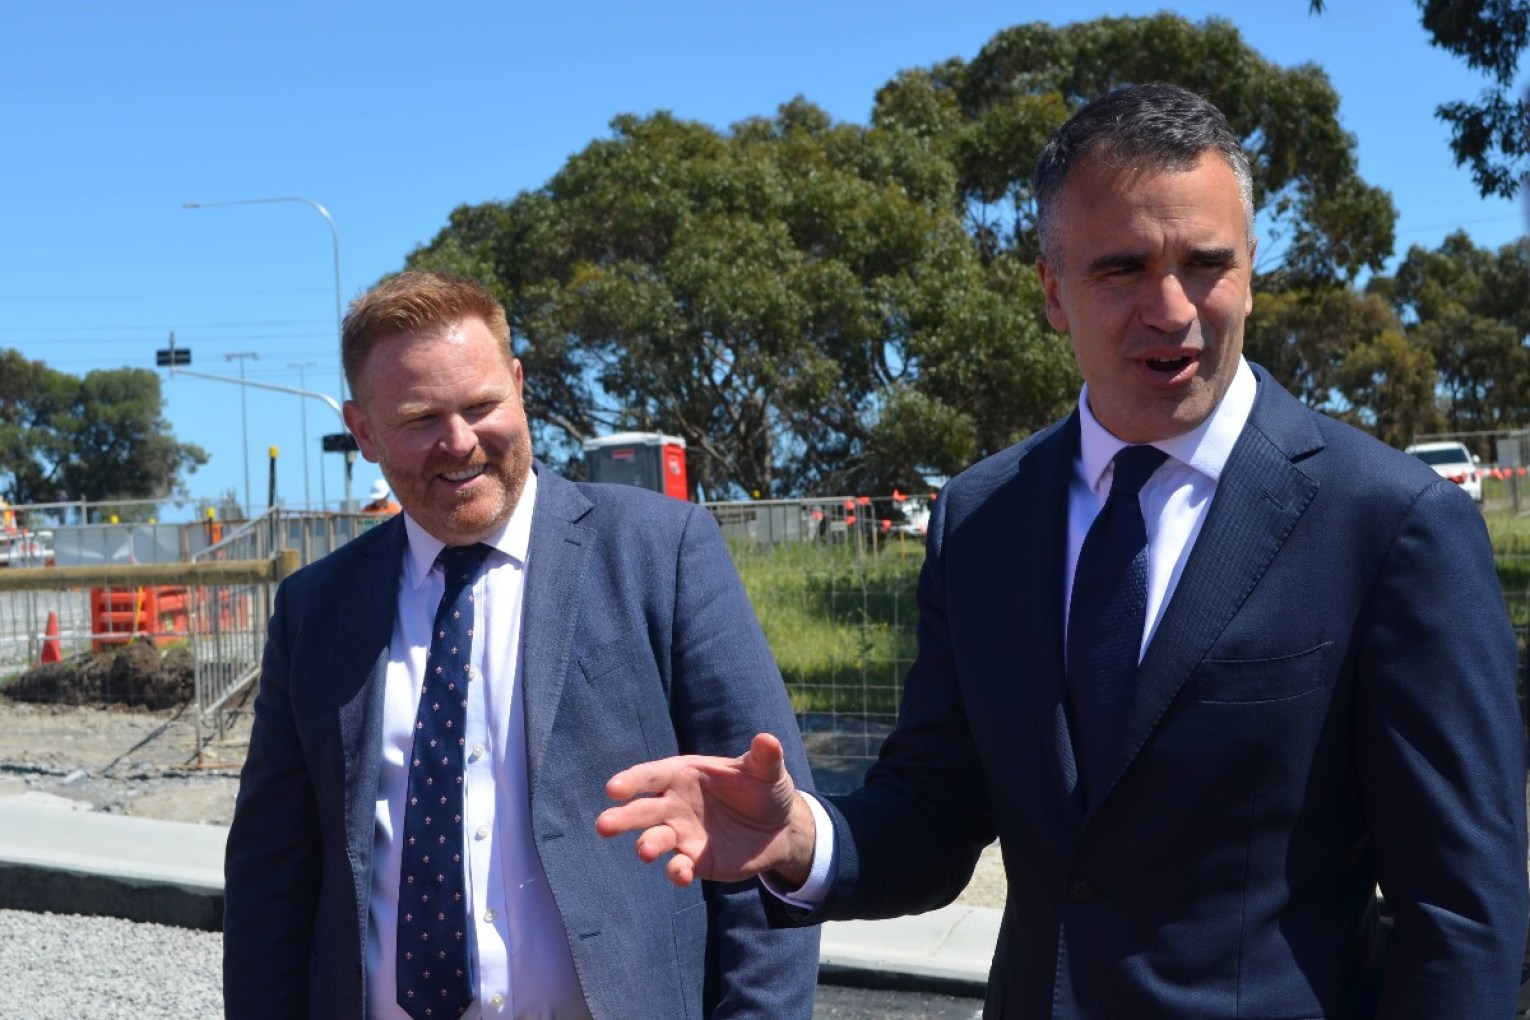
<point>339,442</point>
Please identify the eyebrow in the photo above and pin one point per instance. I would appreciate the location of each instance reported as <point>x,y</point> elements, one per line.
<point>1114,261</point>
<point>1121,260</point>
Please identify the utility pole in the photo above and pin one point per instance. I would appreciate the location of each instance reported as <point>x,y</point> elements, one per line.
<point>244,422</point>
<point>303,407</point>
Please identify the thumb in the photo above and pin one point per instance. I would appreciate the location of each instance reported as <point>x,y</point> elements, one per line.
<point>765,760</point>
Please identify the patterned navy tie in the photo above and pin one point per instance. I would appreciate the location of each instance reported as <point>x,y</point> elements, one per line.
<point>435,976</point>
<point>1105,618</point>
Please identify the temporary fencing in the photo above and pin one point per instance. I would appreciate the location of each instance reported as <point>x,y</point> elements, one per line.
<point>207,590</point>
<point>833,582</point>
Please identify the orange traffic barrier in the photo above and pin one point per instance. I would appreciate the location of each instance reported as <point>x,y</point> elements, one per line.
<point>118,616</point>
<point>52,650</point>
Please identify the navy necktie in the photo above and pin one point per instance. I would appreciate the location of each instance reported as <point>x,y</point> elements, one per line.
<point>435,976</point>
<point>1105,618</point>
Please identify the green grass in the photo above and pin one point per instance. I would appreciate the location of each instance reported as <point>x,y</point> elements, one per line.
<point>840,618</point>
<point>1511,555</point>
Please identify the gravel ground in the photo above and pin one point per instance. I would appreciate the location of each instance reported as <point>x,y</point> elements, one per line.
<point>144,763</point>
<point>64,967</point>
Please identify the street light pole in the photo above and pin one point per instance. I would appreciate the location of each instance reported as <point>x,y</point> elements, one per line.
<point>334,234</point>
<point>244,422</point>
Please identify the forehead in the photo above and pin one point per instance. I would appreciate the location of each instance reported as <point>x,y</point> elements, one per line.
<point>463,353</point>
<point>1101,198</point>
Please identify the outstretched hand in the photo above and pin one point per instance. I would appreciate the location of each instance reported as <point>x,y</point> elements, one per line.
<point>724,819</point>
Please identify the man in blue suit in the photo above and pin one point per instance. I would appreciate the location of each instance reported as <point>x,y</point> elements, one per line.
<point>1318,695</point>
<point>606,625</point>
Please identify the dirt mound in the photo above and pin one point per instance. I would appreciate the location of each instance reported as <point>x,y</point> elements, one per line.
<point>135,674</point>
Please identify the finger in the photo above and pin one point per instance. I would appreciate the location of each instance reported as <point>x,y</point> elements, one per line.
<point>648,777</point>
<point>681,870</point>
<point>629,817</point>
<point>655,843</point>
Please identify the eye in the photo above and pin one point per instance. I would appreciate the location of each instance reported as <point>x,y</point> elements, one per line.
<point>1214,262</point>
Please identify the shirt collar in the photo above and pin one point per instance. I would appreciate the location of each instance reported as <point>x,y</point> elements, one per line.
<point>1205,447</point>
<point>513,538</point>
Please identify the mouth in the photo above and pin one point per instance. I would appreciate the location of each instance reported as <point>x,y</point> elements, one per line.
<point>463,475</point>
<point>1171,368</point>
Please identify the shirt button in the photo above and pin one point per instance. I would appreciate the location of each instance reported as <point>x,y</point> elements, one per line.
<point>1082,891</point>
<point>488,917</point>
<point>477,753</point>
<point>483,830</point>
<point>496,1000</point>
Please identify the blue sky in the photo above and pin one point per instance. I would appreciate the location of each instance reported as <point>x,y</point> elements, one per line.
<point>391,115</point>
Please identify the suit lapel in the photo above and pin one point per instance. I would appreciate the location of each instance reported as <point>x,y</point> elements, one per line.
<point>361,643</point>
<point>1259,499</point>
<point>555,562</point>
<point>1047,468</point>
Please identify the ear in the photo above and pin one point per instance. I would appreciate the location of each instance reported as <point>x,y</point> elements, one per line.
<point>356,421</point>
<point>1050,283</point>
<point>1253,250</point>
<point>520,382</point>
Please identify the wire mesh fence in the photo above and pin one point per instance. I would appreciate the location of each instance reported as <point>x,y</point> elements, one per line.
<point>833,582</point>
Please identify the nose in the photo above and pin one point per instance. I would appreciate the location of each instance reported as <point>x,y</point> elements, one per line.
<point>1166,306</point>
<point>457,437</point>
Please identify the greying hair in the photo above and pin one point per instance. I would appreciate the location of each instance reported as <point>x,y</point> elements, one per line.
<point>1151,127</point>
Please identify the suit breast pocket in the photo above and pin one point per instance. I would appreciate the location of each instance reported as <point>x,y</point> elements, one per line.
<point>1249,681</point>
<point>624,687</point>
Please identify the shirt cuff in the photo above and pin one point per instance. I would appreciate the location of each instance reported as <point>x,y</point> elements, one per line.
<point>821,876</point>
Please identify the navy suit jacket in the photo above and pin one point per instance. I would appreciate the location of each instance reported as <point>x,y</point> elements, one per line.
<point>1328,704</point>
<point>639,643</point>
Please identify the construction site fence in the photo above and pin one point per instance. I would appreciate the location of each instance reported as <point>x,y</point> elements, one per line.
<point>115,584</point>
<point>833,581</point>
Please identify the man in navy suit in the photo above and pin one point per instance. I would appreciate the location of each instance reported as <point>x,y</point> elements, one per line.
<point>606,626</point>
<point>1320,689</point>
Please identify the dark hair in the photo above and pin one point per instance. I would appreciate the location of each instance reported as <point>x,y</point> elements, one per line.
<point>1155,126</point>
<point>414,302</point>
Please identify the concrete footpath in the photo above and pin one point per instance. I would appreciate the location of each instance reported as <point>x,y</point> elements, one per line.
<point>57,857</point>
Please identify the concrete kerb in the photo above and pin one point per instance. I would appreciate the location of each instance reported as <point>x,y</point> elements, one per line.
<point>57,858</point>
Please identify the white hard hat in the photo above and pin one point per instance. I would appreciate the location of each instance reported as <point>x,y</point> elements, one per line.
<point>379,490</point>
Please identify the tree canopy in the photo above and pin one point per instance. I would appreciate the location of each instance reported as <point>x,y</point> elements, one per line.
<point>100,437</point>
<point>1319,220</point>
<point>818,306</point>
<point>795,298</point>
<point>1491,135</point>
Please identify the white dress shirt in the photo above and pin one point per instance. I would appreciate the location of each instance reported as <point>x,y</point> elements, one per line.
<point>522,964</point>
<point>1174,504</point>
<point>1174,499</point>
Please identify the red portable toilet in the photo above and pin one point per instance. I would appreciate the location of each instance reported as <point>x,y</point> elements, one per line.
<point>649,460</point>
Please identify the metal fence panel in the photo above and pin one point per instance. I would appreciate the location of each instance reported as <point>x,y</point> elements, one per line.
<point>833,583</point>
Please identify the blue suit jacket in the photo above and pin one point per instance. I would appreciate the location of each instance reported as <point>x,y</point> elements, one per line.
<point>639,643</point>
<point>1328,703</point>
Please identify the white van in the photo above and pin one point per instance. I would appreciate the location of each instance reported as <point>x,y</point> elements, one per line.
<point>1452,460</point>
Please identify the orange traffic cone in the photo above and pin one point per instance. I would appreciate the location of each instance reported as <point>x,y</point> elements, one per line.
<point>52,651</point>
